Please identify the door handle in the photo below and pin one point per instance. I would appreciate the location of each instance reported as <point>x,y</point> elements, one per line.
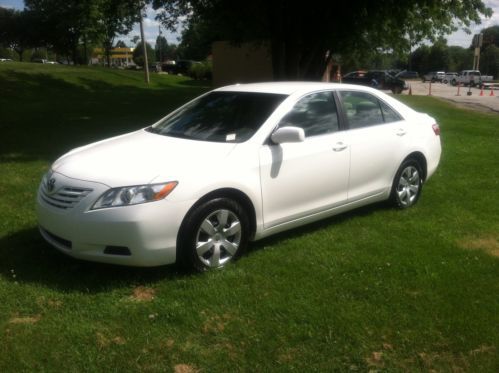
<point>401,132</point>
<point>339,146</point>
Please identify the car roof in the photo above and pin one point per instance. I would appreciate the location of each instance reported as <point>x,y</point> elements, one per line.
<point>289,88</point>
<point>303,88</point>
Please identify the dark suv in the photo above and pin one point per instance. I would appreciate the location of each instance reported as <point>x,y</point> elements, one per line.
<point>380,79</point>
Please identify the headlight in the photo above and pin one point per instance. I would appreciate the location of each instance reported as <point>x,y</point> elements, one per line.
<point>134,195</point>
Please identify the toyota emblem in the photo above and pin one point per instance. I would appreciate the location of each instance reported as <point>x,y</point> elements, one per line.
<point>51,185</point>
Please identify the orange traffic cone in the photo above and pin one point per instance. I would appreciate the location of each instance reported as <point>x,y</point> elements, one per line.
<point>491,92</point>
<point>481,92</point>
<point>410,90</point>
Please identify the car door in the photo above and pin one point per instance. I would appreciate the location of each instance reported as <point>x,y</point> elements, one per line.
<point>376,135</point>
<point>300,179</point>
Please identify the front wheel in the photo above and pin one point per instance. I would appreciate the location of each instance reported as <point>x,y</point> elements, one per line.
<point>213,234</point>
<point>407,184</point>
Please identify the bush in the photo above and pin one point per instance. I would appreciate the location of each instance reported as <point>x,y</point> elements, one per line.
<point>201,70</point>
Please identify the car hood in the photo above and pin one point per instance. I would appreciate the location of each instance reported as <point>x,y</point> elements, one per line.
<point>139,158</point>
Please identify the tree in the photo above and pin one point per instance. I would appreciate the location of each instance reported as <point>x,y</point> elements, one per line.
<point>120,44</point>
<point>490,36</point>
<point>301,34</point>
<point>63,24</point>
<point>439,55</point>
<point>138,55</point>
<point>459,58</point>
<point>67,25</point>
<point>117,17</point>
<point>489,62</point>
<point>17,30</point>
<point>196,42</point>
<point>161,48</point>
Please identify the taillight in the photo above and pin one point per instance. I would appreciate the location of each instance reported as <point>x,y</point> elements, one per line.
<point>436,129</point>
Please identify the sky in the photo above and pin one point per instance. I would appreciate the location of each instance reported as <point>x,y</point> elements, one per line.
<point>459,38</point>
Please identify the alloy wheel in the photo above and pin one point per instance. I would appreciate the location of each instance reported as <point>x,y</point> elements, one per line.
<point>218,238</point>
<point>408,186</point>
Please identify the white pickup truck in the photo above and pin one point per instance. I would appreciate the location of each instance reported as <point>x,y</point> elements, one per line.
<point>471,77</point>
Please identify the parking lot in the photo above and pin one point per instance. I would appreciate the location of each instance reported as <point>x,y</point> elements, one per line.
<point>450,93</point>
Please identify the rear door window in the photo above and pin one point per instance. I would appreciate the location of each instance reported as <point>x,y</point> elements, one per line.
<point>364,110</point>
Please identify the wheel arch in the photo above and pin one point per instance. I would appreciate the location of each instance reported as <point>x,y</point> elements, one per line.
<point>234,194</point>
<point>421,159</point>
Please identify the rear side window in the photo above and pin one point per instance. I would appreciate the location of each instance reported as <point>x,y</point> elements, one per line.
<point>365,110</point>
<point>315,113</point>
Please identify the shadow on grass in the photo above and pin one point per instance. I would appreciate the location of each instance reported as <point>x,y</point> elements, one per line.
<point>43,117</point>
<point>32,260</point>
<point>27,256</point>
<point>320,224</point>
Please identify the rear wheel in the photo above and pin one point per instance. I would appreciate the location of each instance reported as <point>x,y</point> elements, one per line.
<point>407,184</point>
<point>213,234</point>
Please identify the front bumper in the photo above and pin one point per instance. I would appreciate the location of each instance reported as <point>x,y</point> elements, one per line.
<point>138,235</point>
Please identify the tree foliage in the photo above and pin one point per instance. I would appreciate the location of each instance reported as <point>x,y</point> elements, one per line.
<point>17,30</point>
<point>117,17</point>
<point>301,33</point>
<point>67,25</point>
<point>138,54</point>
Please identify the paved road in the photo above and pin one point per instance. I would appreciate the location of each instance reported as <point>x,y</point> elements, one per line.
<point>448,92</point>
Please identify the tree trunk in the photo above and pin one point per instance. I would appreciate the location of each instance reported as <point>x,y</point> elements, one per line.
<point>20,52</point>
<point>85,52</point>
<point>108,57</point>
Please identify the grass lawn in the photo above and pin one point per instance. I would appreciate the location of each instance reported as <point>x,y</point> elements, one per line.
<point>374,289</point>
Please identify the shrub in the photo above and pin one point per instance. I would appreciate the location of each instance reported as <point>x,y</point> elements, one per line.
<point>201,70</point>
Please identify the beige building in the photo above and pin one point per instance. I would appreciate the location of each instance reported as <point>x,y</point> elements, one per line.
<point>245,63</point>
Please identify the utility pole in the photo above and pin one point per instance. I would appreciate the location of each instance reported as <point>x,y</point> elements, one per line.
<point>159,40</point>
<point>477,43</point>
<point>144,48</point>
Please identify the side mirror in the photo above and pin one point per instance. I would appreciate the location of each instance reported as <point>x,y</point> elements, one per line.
<point>288,134</point>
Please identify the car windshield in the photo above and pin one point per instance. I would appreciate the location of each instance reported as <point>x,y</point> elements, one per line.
<point>220,117</point>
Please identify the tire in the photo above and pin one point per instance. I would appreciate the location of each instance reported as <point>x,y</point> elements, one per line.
<point>407,184</point>
<point>213,234</point>
<point>446,81</point>
<point>454,83</point>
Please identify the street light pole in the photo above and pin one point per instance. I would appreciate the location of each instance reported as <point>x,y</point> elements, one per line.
<point>144,48</point>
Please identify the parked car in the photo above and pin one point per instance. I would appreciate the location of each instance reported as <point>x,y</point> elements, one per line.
<point>449,77</point>
<point>407,75</point>
<point>434,76</point>
<point>236,164</point>
<point>380,79</point>
<point>471,77</point>
<point>44,61</point>
<point>178,67</point>
<point>355,74</point>
<point>5,59</point>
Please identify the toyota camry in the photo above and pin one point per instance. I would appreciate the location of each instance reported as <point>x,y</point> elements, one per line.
<point>234,165</point>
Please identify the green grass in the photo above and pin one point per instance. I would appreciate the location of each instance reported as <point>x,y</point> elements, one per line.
<point>373,289</point>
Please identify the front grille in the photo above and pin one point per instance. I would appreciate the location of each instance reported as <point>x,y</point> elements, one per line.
<point>64,198</point>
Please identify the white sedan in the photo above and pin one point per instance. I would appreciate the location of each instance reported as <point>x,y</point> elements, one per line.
<point>236,164</point>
